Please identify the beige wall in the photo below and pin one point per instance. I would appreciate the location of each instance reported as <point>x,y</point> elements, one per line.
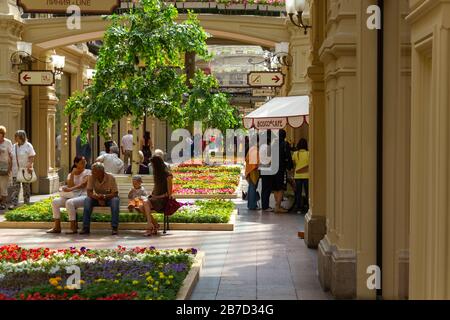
<point>430,146</point>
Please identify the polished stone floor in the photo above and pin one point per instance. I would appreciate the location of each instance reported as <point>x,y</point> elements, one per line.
<point>261,259</point>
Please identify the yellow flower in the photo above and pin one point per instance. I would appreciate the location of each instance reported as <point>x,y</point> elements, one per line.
<point>156,282</point>
<point>58,279</point>
<point>168,282</point>
<point>171,277</point>
<point>59,287</point>
<point>147,274</point>
<point>155,289</point>
<point>118,275</point>
<point>135,282</point>
<point>150,279</point>
<point>82,282</point>
<point>116,281</point>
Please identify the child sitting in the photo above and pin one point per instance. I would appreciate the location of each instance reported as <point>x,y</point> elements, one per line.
<point>138,200</point>
<point>137,195</point>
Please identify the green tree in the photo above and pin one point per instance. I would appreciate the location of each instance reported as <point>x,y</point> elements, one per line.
<point>149,33</point>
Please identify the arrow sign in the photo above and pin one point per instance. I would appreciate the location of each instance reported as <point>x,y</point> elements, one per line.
<point>37,78</point>
<point>265,79</point>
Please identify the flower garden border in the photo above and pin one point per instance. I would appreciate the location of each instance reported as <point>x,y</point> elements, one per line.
<point>126,225</point>
<point>192,277</point>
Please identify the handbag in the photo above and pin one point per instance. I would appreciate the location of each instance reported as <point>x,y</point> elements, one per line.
<point>23,175</point>
<point>4,168</point>
<point>172,206</point>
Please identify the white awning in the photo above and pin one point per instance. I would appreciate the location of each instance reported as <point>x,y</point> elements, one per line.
<point>278,113</point>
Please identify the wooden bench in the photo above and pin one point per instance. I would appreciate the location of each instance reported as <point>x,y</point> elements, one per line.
<point>124,184</point>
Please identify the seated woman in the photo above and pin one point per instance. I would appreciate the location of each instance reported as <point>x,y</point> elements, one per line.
<point>162,190</point>
<point>76,185</point>
<point>143,169</point>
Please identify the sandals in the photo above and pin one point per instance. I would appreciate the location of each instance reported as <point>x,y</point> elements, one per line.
<point>152,232</point>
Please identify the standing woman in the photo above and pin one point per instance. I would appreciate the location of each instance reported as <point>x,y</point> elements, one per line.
<point>22,157</point>
<point>5,166</point>
<point>146,147</point>
<point>162,191</point>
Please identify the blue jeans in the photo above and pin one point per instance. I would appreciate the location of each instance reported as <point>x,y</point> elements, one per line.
<point>252,197</point>
<point>90,203</point>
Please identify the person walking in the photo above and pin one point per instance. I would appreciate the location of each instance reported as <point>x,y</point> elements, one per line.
<point>113,164</point>
<point>5,166</point>
<point>72,196</point>
<point>23,155</point>
<point>301,162</point>
<point>101,191</point>
<point>127,148</point>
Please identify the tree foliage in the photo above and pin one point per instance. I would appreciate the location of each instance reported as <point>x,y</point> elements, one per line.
<point>151,34</point>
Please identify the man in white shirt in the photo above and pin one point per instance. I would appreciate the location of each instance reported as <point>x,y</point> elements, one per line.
<point>127,148</point>
<point>111,161</point>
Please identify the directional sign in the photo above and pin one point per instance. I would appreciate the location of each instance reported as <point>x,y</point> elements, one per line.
<point>60,6</point>
<point>264,92</point>
<point>37,78</point>
<point>265,79</point>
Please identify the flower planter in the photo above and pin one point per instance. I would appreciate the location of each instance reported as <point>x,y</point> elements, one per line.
<point>251,7</point>
<point>112,274</point>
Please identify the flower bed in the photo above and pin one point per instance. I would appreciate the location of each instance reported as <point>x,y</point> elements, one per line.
<point>120,274</point>
<point>200,179</point>
<point>201,211</point>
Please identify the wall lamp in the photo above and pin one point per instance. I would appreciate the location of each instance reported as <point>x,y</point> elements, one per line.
<point>296,11</point>
<point>280,57</point>
<point>22,58</point>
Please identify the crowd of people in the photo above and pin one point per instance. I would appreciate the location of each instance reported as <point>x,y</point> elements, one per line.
<point>88,186</point>
<point>292,169</point>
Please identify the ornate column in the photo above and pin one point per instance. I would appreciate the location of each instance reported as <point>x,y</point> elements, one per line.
<point>11,93</point>
<point>430,149</point>
<point>315,219</point>
<point>396,151</point>
<point>349,57</point>
<point>44,102</point>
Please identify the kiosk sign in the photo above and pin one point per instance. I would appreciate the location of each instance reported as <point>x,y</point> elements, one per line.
<point>60,6</point>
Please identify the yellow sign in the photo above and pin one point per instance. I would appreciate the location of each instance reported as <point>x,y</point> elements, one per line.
<point>265,79</point>
<point>60,6</point>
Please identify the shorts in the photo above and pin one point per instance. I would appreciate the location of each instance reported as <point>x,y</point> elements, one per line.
<point>136,202</point>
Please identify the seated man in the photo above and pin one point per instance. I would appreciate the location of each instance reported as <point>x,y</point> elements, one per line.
<point>113,164</point>
<point>101,191</point>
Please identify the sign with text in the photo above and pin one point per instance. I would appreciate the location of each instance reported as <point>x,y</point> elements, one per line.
<point>37,78</point>
<point>60,6</point>
<point>263,92</point>
<point>265,79</point>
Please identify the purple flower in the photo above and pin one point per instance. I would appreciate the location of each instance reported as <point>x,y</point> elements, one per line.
<point>194,251</point>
